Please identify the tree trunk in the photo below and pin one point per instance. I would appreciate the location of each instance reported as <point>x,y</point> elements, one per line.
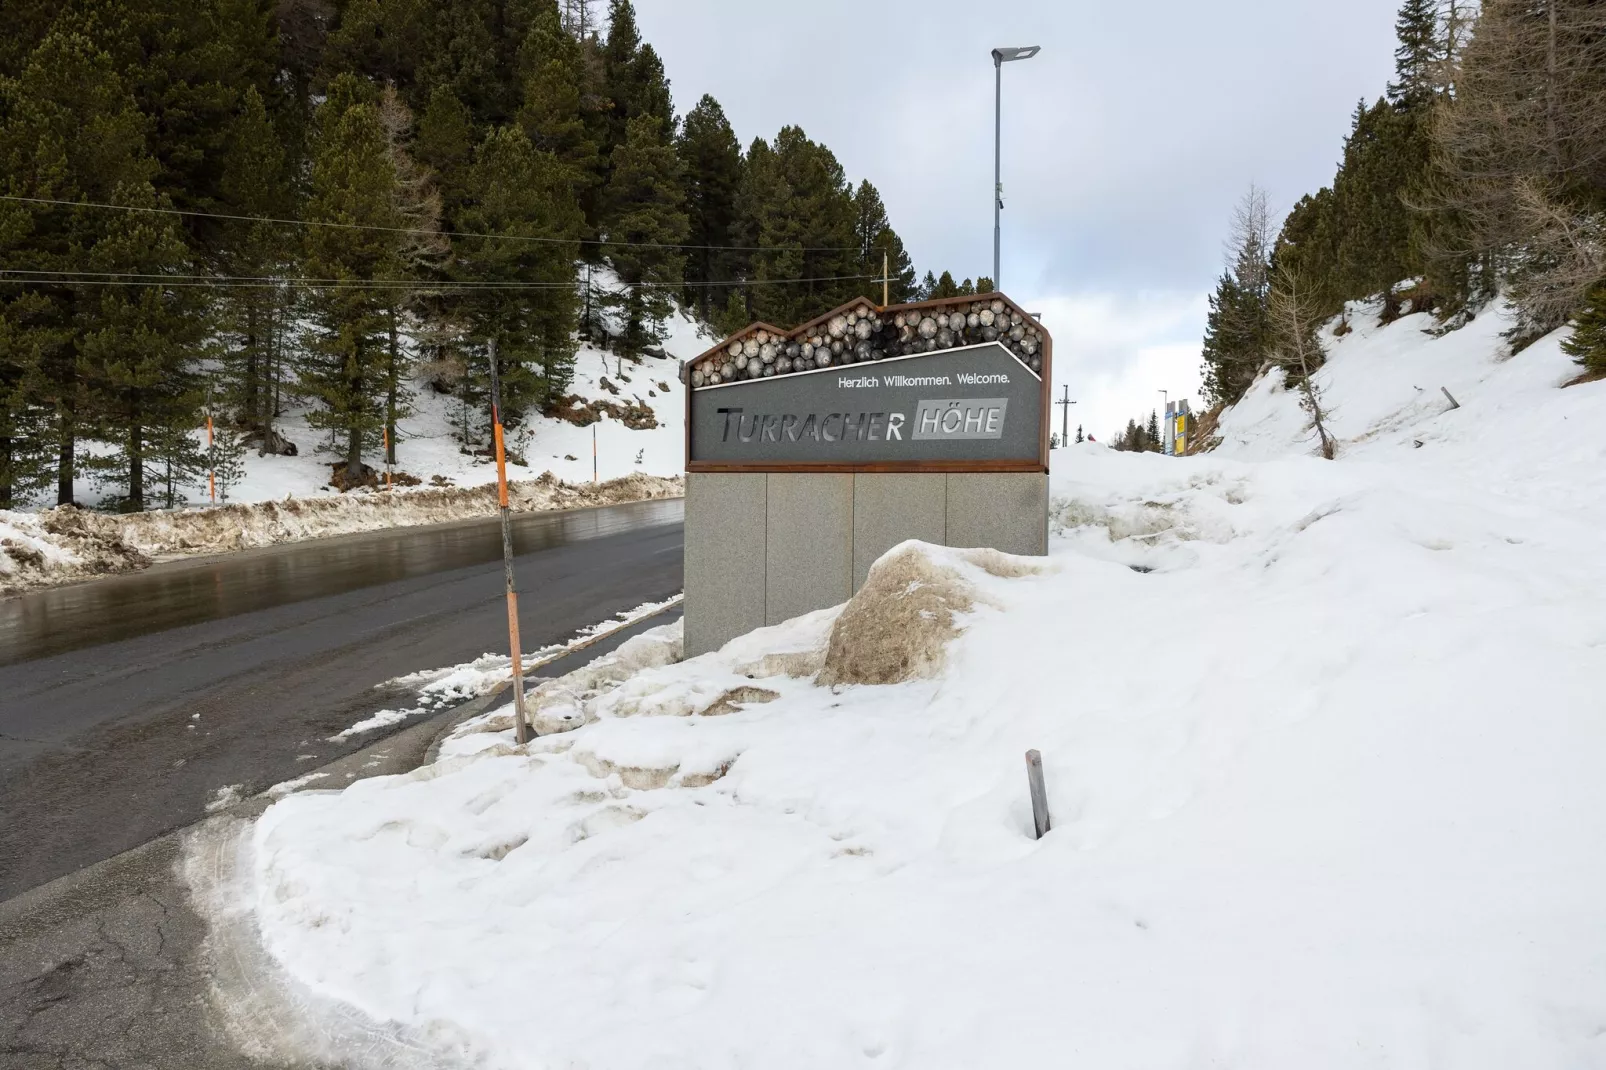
<point>274,339</point>
<point>136,454</point>
<point>253,365</point>
<point>268,377</point>
<point>64,461</point>
<point>708,276</point>
<point>392,374</point>
<point>353,455</point>
<point>355,402</point>
<point>1550,91</point>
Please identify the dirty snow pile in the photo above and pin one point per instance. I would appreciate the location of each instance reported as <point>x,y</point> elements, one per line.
<point>1325,781</point>
<point>60,545</point>
<point>65,544</point>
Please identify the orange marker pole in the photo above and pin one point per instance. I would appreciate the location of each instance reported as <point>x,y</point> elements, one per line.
<point>387,456</point>
<point>521,728</point>
<point>211,469</point>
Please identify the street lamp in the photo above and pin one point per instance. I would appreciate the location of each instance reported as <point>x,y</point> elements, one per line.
<point>1001,56</point>
<point>1165,433</point>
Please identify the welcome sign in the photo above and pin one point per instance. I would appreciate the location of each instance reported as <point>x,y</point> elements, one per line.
<point>975,404</point>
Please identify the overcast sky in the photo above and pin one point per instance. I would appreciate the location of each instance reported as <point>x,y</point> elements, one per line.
<point>1126,142</point>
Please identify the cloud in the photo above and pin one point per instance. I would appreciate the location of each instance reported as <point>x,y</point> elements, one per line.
<point>1117,351</point>
<point>1126,142</point>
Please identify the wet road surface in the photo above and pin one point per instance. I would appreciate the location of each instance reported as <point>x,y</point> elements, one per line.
<point>126,703</point>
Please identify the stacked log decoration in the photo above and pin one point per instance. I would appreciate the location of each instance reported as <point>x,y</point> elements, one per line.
<point>861,334</point>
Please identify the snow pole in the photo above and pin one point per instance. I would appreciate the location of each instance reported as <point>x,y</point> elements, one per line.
<point>593,453</point>
<point>387,456</point>
<point>1034,782</point>
<point>521,730</point>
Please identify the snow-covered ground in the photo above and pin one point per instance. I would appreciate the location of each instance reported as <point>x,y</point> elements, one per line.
<point>426,448</point>
<point>1326,785</point>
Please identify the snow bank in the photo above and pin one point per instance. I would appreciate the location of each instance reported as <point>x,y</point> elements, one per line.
<point>65,543</point>
<point>899,624</point>
<point>60,545</point>
<point>1325,781</point>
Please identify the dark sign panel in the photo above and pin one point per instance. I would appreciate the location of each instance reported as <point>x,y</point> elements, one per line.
<point>976,404</point>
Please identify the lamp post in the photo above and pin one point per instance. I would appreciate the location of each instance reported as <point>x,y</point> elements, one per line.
<point>1001,56</point>
<point>1165,433</point>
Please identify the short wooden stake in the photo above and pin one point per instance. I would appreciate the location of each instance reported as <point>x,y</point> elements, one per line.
<point>1454,404</point>
<point>1034,779</point>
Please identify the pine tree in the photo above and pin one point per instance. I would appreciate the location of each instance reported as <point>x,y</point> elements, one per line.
<point>226,460</point>
<point>797,205</point>
<point>1151,433</point>
<point>711,160</point>
<point>633,77</point>
<point>519,192</point>
<point>1418,57</point>
<point>188,64</point>
<point>879,244</point>
<point>1079,436</point>
<point>140,343</point>
<point>646,206</point>
<point>420,253</point>
<point>766,213</point>
<point>254,183</point>
<point>177,462</point>
<point>1236,329</point>
<point>352,182</point>
<point>70,130</point>
<point>553,111</point>
<point>1587,344</point>
<point>463,50</point>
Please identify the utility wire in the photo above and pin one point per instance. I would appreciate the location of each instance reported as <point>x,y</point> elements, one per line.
<point>246,282</point>
<point>431,233</point>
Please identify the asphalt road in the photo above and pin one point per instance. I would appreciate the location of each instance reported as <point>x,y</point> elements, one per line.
<point>127,703</point>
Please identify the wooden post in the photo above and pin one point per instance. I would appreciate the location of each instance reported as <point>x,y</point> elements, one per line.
<point>521,728</point>
<point>1454,404</point>
<point>1034,780</point>
<point>386,432</point>
<point>886,281</point>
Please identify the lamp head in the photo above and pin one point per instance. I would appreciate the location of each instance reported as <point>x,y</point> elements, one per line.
<point>1009,55</point>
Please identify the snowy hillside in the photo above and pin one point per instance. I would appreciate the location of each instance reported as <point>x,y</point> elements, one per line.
<point>426,447</point>
<point>1323,752</point>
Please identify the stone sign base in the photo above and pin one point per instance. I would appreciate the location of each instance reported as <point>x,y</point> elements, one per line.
<point>762,548</point>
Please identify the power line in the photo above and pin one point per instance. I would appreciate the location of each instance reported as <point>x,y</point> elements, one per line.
<point>432,233</point>
<point>246,282</point>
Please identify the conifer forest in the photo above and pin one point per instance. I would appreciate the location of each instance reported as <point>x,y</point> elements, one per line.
<point>218,208</point>
<point>1481,170</point>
